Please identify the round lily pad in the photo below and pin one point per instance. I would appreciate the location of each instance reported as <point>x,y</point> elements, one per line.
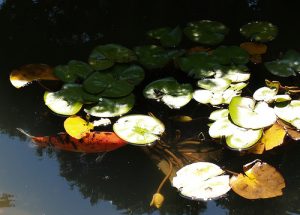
<point>111,107</point>
<point>243,139</point>
<point>227,55</point>
<point>60,105</point>
<point>206,32</point>
<point>80,69</point>
<point>214,84</point>
<point>105,56</point>
<point>245,113</point>
<point>139,129</point>
<point>97,82</point>
<point>168,37</point>
<point>133,74</point>
<point>201,181</point>
<point>64,73</point>
<point>289,112</point>
<point>234,73</point>
<point>219,114</point>
<point>259,31</point>
<point>279,68</point>
<point>265,94</point>
<point>169,91</point>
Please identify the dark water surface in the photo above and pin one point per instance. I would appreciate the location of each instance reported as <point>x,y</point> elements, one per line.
<point>45,182</point>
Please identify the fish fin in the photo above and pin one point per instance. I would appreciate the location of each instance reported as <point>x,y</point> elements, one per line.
<point>25,133</point>
<point>100,157</point>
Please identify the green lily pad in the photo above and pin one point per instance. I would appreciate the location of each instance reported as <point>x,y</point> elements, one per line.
<point>76,93</point>
<point>168,37</point>
<point>81,69</point>
<point>206,32</point>
<point>198,65</point>
<point>292,58</point>
<point>97,82</point>
<point>169,91</point>
<point>234,73</point>
<point>133,74</point>
<point>214,84</point>
<point>61,105</point>
<point>105,56</point>
<point>219,114</point>
<point>117,88</point>
<point>265,94</point>
<point>227,55</point>
<point>280,69</point>
<point>245,113</point>
<point>259,31</point>
<point>111,107</point>
<point>64,73</point>
<point>139,129</point>
<point>289,112</point>
<point>152,57</point>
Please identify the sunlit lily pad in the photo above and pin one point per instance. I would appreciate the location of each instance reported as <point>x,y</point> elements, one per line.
<point>234,73</point>
<point>105,56</point>
<point>265,94</point>
<point>259,31</point>
<point>139,129</point>
<point>214,84</point>
<point>111,107</point>
<point>133,74</point>
<point>168,37</point>
<point>201,181</point>
<point>198,65</point>
<point>169,91</point>
<point>219,114</point>
<point>206,32</point>
<point>289,112</point>
<point>60,105</point>
<point>227,55</point>
<point>245,113</point>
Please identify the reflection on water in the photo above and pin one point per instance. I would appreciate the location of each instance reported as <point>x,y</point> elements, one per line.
<point>52,182</point>
<point>6,200</point>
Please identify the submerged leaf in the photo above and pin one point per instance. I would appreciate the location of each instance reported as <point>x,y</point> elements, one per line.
<point>31,72</point>
<point>77,127</point>
<point>259,182</point>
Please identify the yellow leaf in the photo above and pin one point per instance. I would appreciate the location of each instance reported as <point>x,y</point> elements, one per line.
<point>182,118</point>
<point>258,149</point>
<point>273,137</point>
<point>254,48</point>
<point>31,72</point>
<point>157,200</point>
<point>77,127</point>
<point>259,182</point>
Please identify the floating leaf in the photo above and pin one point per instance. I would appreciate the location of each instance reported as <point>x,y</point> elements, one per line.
<point>31,72</point>
<point>77,127</point>
<point>168,37</point>
<point>111,107</point>
<point>259,31</point>
<point>117,88</point>
<point>197,49</point>
<point>273,136</point>
<point>219,114</point>
<point>60,104</point>
<point>97,82</point>
<point>265,94</point>
<point>234,73</point>
<point>214,84</point>
<point>280,69</point>
<point>201,181</point>
<point>133,74</point>
<point>289,112</point>
<point>169,91</point>
<point>227,55</point>
<point>206,32</point>
<point>139,129</point>
<point>157,200</point>
<point>105,56</point>
<point>254,48</point>
<point>259,182</point>
<point>158,32</point>
<point>245,113</point>
<point>294,134</point>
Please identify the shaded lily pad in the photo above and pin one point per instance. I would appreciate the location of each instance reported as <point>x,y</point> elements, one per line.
<point>105,56</point>
<point>111,107</point>
<point>64,73</point>
<point>139,129</point>
<point>280,69</point>
<point>117,88</point>
<point>227,55</point>
<point>206,32</point>
<point>133,74</point>
<point>169,91</point>
<point>245,113</point>
<point>198,65</point>
<point>289,112</point>
<point>259,31</point>
<point>168,37</point>
<point>97,82</point>
<point>76,93</point>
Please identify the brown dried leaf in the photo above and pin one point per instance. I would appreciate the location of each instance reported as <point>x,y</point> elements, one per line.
<point>31,72</point>
<point>258,149</point>
<point>259,182</point>
<point>197,49</point>
<point>294,134</point>
<point>254,48</point>
<point>273,136</point>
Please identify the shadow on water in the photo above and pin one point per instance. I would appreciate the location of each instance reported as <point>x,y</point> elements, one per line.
<point>53,32</point>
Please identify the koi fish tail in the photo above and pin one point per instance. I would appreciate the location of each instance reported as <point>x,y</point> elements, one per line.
<point>25,133</point>
<point>40,141</point>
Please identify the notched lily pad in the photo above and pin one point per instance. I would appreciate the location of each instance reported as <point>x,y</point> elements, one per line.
<point>259,31</point>
<point>169,91</point>
<point>289,112</point>
<point>105,56</point>
<point>168,37</point>
<point>206,32</point>
<point>227,55</point>
<point>133,74</point>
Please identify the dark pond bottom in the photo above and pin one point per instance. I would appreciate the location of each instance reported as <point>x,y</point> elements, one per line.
<point>47,182</point>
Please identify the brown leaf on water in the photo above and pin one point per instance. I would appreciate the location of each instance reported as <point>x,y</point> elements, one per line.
<point>260,181</point>
<point>256,59</point>
<point>197,49</point>
<point>291,131</point>
<point>273,84</point>
<point>258,149</point>
<point>31,72</point>
<point>254,48</point>
<point>273,136</point>
<point>157,200</point>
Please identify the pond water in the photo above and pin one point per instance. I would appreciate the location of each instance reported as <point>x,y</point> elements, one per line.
<point>48,182</point>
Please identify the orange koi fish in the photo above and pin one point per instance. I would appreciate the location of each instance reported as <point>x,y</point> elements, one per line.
<point>93,142</point>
